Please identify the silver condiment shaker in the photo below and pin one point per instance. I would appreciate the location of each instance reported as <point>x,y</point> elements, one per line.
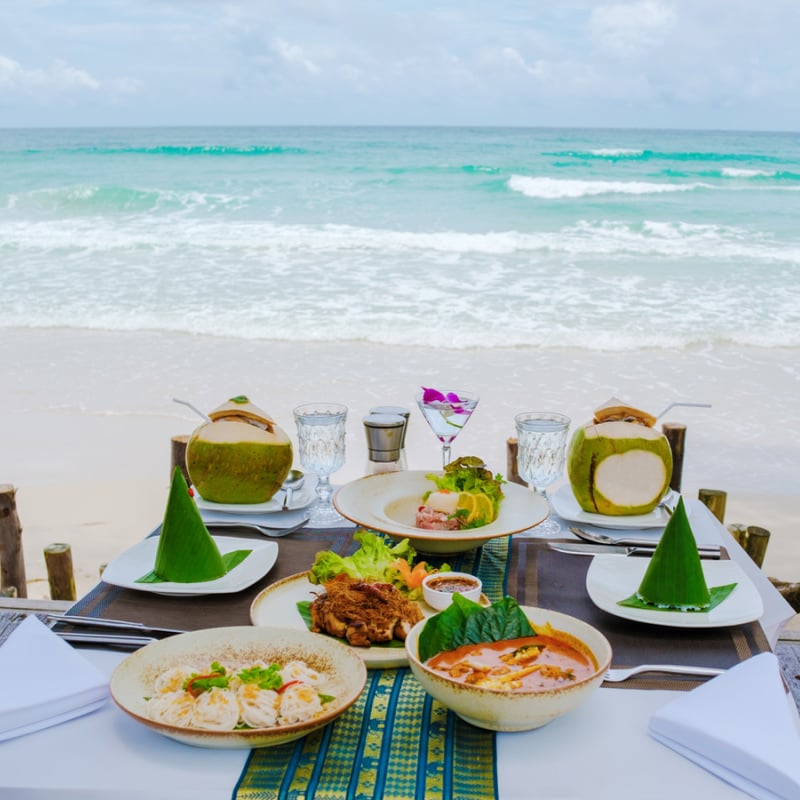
<point>384,433</point>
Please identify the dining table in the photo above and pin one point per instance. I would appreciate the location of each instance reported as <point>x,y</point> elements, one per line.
<point>397,742</point>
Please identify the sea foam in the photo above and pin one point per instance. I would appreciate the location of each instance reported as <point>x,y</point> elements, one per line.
<point>563,188</point>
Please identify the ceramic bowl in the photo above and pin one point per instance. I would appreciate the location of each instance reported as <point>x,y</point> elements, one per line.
<point>133,679</point>
<point>388,502</point>
<point>517,710</point>
<point>439,587</point>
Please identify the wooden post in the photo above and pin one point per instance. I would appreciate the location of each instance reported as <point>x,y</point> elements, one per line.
<point>178,459</point>
<point>12,561</point>
<point>757,541</point>
<point>715,500</point>
<point>676,436</point>
<point>58,559</point>
<point>512,475</point>
<point>739,532</point>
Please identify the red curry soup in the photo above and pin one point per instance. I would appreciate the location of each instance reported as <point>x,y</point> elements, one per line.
<point>531,663</point>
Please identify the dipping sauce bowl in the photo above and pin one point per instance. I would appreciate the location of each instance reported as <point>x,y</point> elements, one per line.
<point>439,587</point>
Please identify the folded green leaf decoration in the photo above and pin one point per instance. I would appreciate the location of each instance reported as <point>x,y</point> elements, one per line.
<point>187,553</point>
<point>674,580</point>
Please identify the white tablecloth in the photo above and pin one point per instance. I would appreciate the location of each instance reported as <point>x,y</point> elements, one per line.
<point>601,749</point>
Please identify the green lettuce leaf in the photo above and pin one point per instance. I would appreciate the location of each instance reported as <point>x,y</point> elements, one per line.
<point>372,561</point>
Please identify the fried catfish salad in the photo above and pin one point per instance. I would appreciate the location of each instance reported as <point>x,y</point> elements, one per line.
<point>363,612</point>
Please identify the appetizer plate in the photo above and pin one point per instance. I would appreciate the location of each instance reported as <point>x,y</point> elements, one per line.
<point>300,499</point>
<point>277,605</point>
<point>566,506</point>
<point>612,578</point>
<point>133,679</point>
<point>388,502</point>
<point>139,560</point>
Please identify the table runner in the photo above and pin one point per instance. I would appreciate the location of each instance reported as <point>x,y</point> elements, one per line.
<point>396,742</point>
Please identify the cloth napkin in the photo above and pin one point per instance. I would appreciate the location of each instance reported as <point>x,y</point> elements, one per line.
<point>44,681</point>
<point>739,726</point>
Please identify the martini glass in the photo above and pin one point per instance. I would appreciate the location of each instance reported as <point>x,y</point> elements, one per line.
<point>446,413</point>
<point>541,453</point>
<point>321,437</point>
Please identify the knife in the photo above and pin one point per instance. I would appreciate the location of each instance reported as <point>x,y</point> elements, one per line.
<point>114,624</point>
<point>114,640</point>
<point>586,549</point>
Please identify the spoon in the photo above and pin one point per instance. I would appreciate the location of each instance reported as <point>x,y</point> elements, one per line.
<point>194,408</point>
<point>295,480</point>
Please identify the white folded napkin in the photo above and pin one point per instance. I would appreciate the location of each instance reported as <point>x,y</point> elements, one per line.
<point>44,681</point>
<point>741,727</point>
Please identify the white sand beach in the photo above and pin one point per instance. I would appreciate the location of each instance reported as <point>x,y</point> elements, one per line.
<point>87,418</point>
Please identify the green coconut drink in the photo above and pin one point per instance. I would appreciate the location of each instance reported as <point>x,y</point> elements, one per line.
<point>618,464</point>
<point>241,456</point>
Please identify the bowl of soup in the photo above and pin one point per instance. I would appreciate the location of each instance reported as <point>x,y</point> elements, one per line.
<point>517,684</point>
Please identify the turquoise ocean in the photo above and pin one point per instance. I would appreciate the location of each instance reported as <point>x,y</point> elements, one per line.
<point>459,237</point>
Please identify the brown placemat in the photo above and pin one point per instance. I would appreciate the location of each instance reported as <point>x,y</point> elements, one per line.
<point>538,576</point>
<point>295,554</point>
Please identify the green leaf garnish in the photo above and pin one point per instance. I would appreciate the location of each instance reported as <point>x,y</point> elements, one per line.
<point>717,595</point>
<point>466,622</point>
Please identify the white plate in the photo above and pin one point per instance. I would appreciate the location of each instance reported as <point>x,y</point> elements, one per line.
<point>300,499</point>
<point>612,578</point>
<point>566,506</point>
<point>132,681</point>
<point>277,605</point>
<point>138,560</point>
<point>388,502</point>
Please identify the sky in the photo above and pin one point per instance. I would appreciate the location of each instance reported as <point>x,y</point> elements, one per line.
<point>693,64</point>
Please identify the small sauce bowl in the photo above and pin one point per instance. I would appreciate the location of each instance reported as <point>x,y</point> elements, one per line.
<point>438,588</point>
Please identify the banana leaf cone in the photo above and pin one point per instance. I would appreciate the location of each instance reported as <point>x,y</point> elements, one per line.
<point>186,551</point>
<point>674,577</point>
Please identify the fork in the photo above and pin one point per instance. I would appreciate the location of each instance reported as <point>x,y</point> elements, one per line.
<point>603,538</point>
<point>622,674</point>
<point>273,533</point>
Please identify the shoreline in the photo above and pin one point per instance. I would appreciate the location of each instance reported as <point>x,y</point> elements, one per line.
<point>88,417</point>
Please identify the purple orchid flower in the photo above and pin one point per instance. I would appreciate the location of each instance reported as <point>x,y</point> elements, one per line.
<point>435,396</point>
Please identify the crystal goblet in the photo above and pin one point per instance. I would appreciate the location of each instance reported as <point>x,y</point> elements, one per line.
<point>321,439</point>
<point>541,453</point>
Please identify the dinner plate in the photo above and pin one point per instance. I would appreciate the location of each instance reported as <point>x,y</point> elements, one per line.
<point>566,506</point>
<point>277,605</point>
<point>300,499</point>
<point>138,560</point>
<point>133,681</point>
<point>612,578</point>
<point>388,502</point>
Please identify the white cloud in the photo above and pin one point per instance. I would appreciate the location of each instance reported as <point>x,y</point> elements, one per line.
<point>629,30</point>
<point>292,54</point>
<point>59,75</point>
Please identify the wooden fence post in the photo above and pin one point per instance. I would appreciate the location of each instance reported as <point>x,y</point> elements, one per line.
<point>58,559</point>
<point>178,456</point>
<point>512,475</point>
<point>715,500</point>
<point>12,561</point>
<point>757,541</point>
<point>676,436</point>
